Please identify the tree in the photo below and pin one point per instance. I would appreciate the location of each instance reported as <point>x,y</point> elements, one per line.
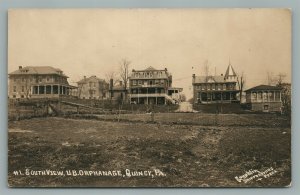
<point>286,98</point>
<point>111,75</point>
<point>275,79</point>
<point>241,84</point>
<point>124,74</point>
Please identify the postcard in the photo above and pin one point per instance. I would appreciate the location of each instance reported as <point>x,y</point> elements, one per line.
<point>149,97</point>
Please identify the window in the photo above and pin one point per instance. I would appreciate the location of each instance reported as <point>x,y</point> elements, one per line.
<point>203,87</point>
<point>213,86</point>
<point>156,82</point>
<point>162,81</point>
<point>219,86</point>
<point>224,86</point>
<point>15,88</point>
<point>14,96</point>
<point>208,86</point>
<point>48,79</point>
<point>266,107</point>
<point>140,82</point>
<point>22,96</point>
<point>23,88</point>
<point>94,84</point>
<point>134,82</point>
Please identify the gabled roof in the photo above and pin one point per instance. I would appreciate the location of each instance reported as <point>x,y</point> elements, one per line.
<point>230,71</point>
<point>264,87</point>
<point>39,70</point>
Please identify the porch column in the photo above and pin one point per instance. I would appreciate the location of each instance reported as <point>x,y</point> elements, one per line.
<point>51,89</point>
<point>38,91</point>
<point>147,96</point>
<point>45,89</point>
<point>257,96</point>
<point>58,89</point>
<point>230,96</point>
<point>274,96</point>
<point>200,96</point>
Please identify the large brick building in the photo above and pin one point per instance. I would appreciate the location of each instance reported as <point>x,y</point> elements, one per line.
<point>92,88</point>
<point>38,82</point>
<point>216,89</point>
<point>152,86</point>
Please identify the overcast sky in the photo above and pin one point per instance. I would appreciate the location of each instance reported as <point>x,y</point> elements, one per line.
<point>93,41</point>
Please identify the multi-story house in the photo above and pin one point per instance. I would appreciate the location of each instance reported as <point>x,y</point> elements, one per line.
<point>38,82</point>
<point>216,89</point>
<point>92,88</point>
<point>265,98</point>
<point>151,86</point>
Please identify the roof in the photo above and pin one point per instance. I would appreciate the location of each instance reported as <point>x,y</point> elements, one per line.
<point>146,74</point>
<point>150,68</point>
<point>40,70</point>
<point>91,78</point>
<point>230,71</point>
<point>264,87</point>
<point>209,79</point>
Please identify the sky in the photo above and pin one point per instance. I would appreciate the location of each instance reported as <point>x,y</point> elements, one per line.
<point>86,42</point>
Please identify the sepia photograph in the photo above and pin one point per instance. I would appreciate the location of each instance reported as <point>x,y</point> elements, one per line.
<point>149,97</point>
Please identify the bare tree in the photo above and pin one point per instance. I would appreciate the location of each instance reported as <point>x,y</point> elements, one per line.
<point>124,74</point>
<point>281,77</point>
<point>275,79</point>
<point>111,75</point>
<point>241,83</point>
<point>271,78</point>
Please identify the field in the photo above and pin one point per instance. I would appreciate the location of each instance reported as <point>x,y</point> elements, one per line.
<point>178,149</point>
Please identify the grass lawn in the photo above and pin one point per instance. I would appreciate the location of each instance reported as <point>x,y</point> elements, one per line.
<point>191,155</point>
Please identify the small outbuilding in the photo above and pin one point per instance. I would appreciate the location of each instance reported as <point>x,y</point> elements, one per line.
<point>265,98</point>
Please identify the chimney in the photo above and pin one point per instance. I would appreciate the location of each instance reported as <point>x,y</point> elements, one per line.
<point>84,77</point>
<point>193,78</point>
<point>221,74</point>
<point>20,67</point>
<point>120,83</point>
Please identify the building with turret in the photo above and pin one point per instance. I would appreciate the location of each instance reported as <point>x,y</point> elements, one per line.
<point>216,89</point>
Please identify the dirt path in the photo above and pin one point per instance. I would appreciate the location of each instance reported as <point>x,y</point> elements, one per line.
<point>185,107</point>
